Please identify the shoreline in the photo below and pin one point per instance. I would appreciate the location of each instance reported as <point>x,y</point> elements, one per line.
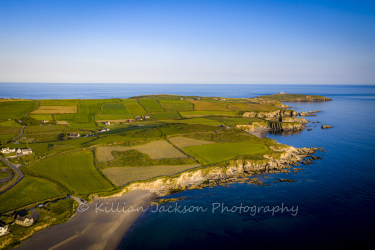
<point>100,224</point>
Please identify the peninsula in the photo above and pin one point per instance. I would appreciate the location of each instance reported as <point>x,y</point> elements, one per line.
<point>59,154</point>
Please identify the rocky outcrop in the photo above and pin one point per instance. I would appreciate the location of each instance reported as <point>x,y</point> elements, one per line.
<point>286,126</point>
<point>236,171</point>
<point>271,114</point>
<point>308,99</point>
<point>326,126</point>
<point>293,119</point>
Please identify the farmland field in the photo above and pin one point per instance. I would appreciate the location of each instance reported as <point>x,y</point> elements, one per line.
<point>211,153</point>
<point>87,110</point>
<point>150,105</point>
<point>203,121</point>
<point>123,175</point>
<point>251,107</point>
<point>42,117</point>
<point>66,102</point>
<point>55,110</point>
<point>10,123</point>
<point>114,109</point>
<point>183,142</point>
<point>212,106</point>
<point>16,109</point>
<point>155,149</point>
<point>75,170</point>
<point>175,105</point>
<point>233,121</point>
<point>134,107</point>
<point>207,113</point>
<point>28,191</point>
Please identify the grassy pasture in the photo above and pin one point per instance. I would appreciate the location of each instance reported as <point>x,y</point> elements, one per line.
<point>11,123</point>
<point>181,128</point>
<point>232,121</point>
<point>202,121</point>
<point>4,175</point>
<point>183,142</point>
<point>47,129</point>
<point>287,97</point>
<point>217,152</point>
<point>55,110</point>
<point>87,109</point>
<point>114,109</point>
<point>207,113</point>
<point>29,190</point>
<point>123,175</point>
<point>155,149</point>
<point>176,105</point>
<point>42,117</point>
<point>16,109</point>
<point>65,102</point>
<point>134,107</point>
<point>251,107</point>
<point>209,106</point>
<point>150,105</point>
<point>75,170</point>
<point>166,115</point>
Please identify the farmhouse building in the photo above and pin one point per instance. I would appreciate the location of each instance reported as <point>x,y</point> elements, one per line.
<point>25,151</point>
<point>25,221</point>
<point>8,150</point>
<point>107,123</point>
<point>3,229</point>
<point>146,117</point>
<point>104,130</point>
<point>74,135</point>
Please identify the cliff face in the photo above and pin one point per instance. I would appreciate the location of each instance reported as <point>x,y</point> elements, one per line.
<point>286,126</point>
<point>294,119</point>
<point>271,114</point>
<point>216,175</point>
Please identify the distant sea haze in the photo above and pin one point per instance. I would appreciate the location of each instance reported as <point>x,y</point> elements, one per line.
<point>101,91</point>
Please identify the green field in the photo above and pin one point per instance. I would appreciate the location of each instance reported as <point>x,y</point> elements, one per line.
<point>233,121</point>
<point>134,107</point>
<point>42,117</point>
<point>251,107</point>
<point>75,170</point>
<point>87,109</point>
<point>123,175</point>
<point>29,190</point>
<point>210,153</point>
<point>10,123</point>
<point>150,105</point>
<point>4,175</point>
<point>210,106</point>
<point>66,102</point>
<point>114,109</point>
<point>203,121</point>
<point>290,97</point>
<point>207,113</point>
<point>175,105</point>
<point>16,109</point>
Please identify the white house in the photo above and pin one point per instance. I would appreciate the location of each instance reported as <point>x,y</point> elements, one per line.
<point>107,123</point>
<point>3,229</point>
<point>44,121</point>
<point>8,150</point>
<point>104,130</point>
<point>74,135</point>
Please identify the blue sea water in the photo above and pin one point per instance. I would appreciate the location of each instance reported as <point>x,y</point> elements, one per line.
<point>335,196</point>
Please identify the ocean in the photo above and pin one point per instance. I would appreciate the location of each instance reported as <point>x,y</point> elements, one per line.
<point>331,202</point>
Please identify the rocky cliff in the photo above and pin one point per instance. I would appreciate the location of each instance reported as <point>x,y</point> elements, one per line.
<point>212,176</point>
<point>271,114</point>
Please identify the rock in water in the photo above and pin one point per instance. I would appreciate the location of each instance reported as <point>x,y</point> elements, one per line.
<point>326,126</point>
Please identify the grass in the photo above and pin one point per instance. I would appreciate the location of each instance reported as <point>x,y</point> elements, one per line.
<point>209,106</point>
<point>10,123</point>
<point>123,175</point>
<point>134,107</point>
<point>202,121</point>
<point>65,102</point>
<point>55,110</point>
<point>233,121</point>
<point>29,190</point>
<point>217,152</point>
<point>150,105</point>
<point>42,117</point>
<point>155,149</point>
<point>207,113</point>
<point>134,158</point>
<point>4,175</point>
<point>75,170</point>
<point>183,142</point>
<point>181,128</point>
<point>251,107</point>
<point>16,109</point>
<point>176,105</point>
<point>114,109</point>
<point>47,129</point>
<point>289,97</point>
<point>87,109</point>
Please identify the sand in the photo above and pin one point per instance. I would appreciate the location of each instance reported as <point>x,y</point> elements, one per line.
<point>98,227</point>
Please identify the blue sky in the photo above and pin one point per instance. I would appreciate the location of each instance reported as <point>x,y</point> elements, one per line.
<point>136,41</point>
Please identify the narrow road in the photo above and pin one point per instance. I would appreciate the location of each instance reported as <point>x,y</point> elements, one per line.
<point>23,129</point>
<point>20,174</point>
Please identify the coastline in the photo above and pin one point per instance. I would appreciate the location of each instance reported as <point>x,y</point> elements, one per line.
<point>100,224</point>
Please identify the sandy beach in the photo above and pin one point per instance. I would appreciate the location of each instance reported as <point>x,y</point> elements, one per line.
<point>261,133</point>
<point>101,224</point>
